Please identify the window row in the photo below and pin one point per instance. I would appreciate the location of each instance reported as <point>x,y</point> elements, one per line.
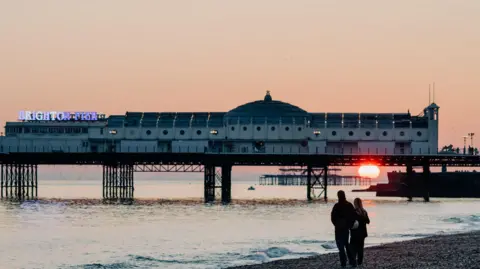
<point>368,133</point>
<point>316,132</point>
<point>46,130</point>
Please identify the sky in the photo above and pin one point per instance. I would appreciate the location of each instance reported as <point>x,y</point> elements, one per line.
<point>113,56</point>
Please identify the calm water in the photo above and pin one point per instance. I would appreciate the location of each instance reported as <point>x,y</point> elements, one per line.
<point>78,231</point>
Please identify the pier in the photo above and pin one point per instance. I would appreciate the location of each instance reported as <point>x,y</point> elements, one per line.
<point>19,178</point>
<point>264,132</point>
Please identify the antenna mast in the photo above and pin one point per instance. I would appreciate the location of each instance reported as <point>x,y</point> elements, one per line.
<point>434,92</point>
<point>429,94</point>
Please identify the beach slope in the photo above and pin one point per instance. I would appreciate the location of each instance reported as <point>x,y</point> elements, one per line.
<point>444,251</point>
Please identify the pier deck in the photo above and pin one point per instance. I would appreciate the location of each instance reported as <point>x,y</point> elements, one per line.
<point>58,158</point>
<point>19,170</point>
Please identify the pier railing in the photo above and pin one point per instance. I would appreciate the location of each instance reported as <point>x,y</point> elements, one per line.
<point>281,150</point>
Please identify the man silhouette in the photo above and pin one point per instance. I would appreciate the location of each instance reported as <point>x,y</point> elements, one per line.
<point>343,218</point>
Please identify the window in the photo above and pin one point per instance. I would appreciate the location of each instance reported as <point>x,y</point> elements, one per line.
<point>101,131</point>
<point>244,128</point>
<point>402,133</point>
<point>350,133</point>
<point>287,128</point>
<point>385,133</point>
<point>199,132</point>
<point>272,128</point>
<point>367,133</point>
<point>148,132</point>
<point>299,129</point>
<point>419,133</point>
<point>165,132</point>
<point>334,133</point>
<point>113,132</point>
<point>259,128</point>
<point>182,132</point>
<point>233,128</point>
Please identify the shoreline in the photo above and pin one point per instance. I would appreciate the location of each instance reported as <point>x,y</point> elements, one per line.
<point>460,250</point>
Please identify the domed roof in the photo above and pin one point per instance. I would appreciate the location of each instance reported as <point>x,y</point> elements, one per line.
<point>267,108</point>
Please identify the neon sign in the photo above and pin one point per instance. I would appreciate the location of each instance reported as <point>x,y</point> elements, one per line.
<point>59,116</point>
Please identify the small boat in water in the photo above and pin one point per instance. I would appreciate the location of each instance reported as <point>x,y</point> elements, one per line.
<point>251,188</point>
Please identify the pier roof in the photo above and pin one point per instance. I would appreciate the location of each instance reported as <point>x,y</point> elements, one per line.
<point>267,108</point>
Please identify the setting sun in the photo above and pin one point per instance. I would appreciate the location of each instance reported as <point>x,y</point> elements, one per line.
<point>371,171</point>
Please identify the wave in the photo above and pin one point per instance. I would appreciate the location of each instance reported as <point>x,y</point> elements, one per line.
<point>138,261</point>
<point>148,259</point>
<point>274,253</point>
<point>470,219</point>
<point>416,235</point>
<point>306,242</point>
<point>104,266</point>
<point>329,245</point>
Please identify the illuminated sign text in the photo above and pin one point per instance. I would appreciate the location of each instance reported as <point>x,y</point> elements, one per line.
<point>58,116</point>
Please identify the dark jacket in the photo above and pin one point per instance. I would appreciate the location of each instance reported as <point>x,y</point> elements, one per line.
<point>361,231</point>
<point>343,216</point>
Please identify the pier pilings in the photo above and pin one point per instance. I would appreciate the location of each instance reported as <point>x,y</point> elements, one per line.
<point>409,182</point>
<point>426,182</point>
<point>317,183</point>
<point>226,184</point>
<point>218,178</point>
<point>118,181</point>
<point>19,181</point>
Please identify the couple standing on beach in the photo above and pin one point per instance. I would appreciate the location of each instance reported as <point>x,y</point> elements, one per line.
<point>350,220</point>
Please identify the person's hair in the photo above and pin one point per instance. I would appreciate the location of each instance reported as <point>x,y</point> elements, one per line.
<point>341,196</point>
<point>358,203</point>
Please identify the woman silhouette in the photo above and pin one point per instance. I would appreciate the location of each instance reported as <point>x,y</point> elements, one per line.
<point>358,235</point>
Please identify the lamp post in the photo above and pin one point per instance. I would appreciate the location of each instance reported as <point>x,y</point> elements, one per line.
<point>471,138</point>
<point>471,142</point>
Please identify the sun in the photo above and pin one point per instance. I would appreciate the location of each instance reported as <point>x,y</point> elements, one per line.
<point>371,171</point>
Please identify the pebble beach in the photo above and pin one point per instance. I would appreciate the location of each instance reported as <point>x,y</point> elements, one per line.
<point>444,251</point>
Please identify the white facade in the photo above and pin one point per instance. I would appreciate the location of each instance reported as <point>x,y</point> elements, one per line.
<point>266,126</point>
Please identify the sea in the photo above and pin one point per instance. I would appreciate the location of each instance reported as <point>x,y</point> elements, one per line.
<point>169,226</point>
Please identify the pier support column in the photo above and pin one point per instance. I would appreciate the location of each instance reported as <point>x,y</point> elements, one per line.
<point>325,183</point>
<point>426,182</point>
<point>19,181</point>
<point>218,180</point>
<point>118,182</point>
<point>226,184</point>
<point>309,183</point>
<point>209,183</point>
<point>409,182</point>
<point>317,185</point>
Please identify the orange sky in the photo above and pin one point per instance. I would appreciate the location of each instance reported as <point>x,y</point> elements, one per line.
<point>324,56</point>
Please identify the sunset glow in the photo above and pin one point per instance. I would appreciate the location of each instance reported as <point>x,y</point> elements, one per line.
<point>371,171</point>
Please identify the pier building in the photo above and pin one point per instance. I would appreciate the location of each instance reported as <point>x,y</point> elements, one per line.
<point>266,126</point>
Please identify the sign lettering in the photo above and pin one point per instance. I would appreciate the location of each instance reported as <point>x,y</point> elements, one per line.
<point>59,116</point>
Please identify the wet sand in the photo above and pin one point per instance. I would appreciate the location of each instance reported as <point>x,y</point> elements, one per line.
<point>445,251</point>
